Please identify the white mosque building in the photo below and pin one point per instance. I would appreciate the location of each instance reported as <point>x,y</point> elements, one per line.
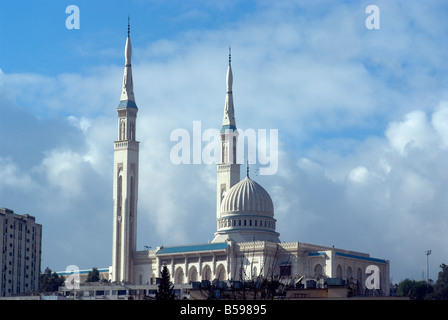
<point>245,246</point>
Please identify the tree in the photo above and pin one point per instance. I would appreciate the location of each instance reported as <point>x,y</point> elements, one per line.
<point>93,276</point>
<point>441,285</point>
<point>414,289</point>
<point>50,281</point>
<point>165,290</point>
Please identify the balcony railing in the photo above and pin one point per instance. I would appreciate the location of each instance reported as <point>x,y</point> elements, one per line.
<point>130,144</point>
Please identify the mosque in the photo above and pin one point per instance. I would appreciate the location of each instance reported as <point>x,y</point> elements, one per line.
<point>245,245</point>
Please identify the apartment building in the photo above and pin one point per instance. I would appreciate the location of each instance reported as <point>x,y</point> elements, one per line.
<point>20,258</point>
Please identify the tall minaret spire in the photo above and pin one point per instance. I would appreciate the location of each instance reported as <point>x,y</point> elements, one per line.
<point>228,171</point>
<point>125,188</point>
<point>229,113</point>
<point>127,93</point>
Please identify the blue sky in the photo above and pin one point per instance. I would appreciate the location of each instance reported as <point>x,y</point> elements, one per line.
<point>362,117</point>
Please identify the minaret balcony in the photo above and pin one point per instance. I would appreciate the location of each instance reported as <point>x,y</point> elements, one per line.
<point>126,144</point>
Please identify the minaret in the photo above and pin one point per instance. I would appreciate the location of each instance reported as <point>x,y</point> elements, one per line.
<point>229,113</point>
<point>125,190</point>
<point>228,168</point>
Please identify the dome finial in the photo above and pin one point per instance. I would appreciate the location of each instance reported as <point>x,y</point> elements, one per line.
<point>129,26</point>
<point>230,55</point>
<point>247,169</point>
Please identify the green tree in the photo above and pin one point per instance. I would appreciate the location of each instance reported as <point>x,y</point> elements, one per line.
<point>93,276</point>
<point>414,289</point>
<point>441,285</point>
<point>50,281</point>
<point>165,290</point>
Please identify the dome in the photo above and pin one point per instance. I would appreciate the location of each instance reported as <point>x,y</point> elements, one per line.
<point>247,197</point>
<point>247,214</point>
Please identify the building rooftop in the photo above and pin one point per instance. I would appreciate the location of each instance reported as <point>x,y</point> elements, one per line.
<point>193,248</point>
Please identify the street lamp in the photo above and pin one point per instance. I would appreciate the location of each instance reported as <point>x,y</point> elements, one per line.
<point>427,252</point>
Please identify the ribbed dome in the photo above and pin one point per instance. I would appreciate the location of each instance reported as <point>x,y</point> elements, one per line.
<point>247,196</point>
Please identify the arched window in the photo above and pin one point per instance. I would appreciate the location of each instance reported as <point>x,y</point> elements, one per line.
<point>119,193</point>
<point>132,206</point>
<point>224,154</point>
<point>221,272</point>
<point>178,276</point>
<point>318,270</point>
<point>234,150</point>
<point>339,271</point>
<point>132,131</point>
<point>359,281</point>
<point>206,273</point>
<point>349,273</point>
<point>193,274</point>
<point>122,135</point>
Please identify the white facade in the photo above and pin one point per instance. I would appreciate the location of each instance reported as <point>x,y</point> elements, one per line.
<point>245,246</point>
<point>289,262</point>
<point>20,257</point>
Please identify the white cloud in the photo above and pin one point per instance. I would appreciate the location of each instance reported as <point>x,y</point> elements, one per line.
<point>440,123</point>
<point>413,132</point>
<point>359,175</point>
<point>12,177</point>
<point>83,123</point>
<point>63,173</point>
<point>65,93</point>
<point>399,190</point>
